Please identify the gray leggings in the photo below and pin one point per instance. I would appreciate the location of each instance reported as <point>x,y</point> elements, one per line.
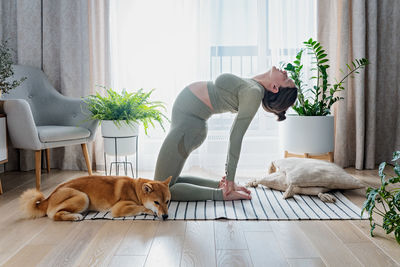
<point>188,131</point>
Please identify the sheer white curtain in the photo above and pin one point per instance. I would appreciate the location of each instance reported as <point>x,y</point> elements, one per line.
<point>168,44</point>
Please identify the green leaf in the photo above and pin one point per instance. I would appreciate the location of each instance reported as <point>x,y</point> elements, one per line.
<point>397,234</point>
<point>382,168</point>
<point>373,225</point>
<point>397,170</point>
<point>396,155</point>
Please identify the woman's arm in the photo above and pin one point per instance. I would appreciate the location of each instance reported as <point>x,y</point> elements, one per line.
<point>249,102</point>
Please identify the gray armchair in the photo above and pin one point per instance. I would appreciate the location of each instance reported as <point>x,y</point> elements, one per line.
<point>39,117</point>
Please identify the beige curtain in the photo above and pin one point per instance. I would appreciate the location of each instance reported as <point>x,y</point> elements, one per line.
<point>367,121</point>
<point>68,41</point>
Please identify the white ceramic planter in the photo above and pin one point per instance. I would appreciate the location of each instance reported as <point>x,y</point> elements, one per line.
<point>307,134</point>
<point>119,140</point>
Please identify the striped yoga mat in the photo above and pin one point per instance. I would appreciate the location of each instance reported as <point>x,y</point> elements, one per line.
<point>266,204</point>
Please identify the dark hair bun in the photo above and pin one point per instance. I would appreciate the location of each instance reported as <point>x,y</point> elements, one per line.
<point>281,116</point>
<point>279,102</point>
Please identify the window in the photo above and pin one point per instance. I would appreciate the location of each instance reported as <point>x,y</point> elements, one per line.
<point>180,41</point>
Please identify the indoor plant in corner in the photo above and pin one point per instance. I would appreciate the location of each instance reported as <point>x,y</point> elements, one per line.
<point>311,130</point>
<point>120,115</point>
<point>384,201</point>
<point>6,70</point>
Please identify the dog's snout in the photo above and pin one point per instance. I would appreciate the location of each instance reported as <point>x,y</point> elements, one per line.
<point>165,216</point>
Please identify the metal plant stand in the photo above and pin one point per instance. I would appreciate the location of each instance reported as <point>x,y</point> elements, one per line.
<point>125,163</point>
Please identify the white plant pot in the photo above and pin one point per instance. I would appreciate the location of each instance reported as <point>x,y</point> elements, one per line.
<point>307,134</point>
<point>119,140</point>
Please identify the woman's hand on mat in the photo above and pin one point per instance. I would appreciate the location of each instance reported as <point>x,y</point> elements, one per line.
<point>231,191</point>
<point>222,182</point>
<point>232,186</point>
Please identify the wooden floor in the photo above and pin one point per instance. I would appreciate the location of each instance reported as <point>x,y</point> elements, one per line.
<point>42,242</point>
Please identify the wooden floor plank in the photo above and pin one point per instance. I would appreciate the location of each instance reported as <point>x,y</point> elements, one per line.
<point>370,255</point>
<point>54,233</point>
<point>17,234</point>
<point>233,258</point>
<point>138,239</point>
<point>168,228</point>
<point>385,242</point>
<point>69,250</point>
<point>165,251</point>
<point>346,231</point>
<point>331,248</point>
<point>29,255</point>
<point>104,244</point>
<point>292,240</point>
<point>199,244</point>
<point>127,261</point>
<point>229,235</point>
<point>258,226</point>
<point>311,262</point>
<point>264,250</point>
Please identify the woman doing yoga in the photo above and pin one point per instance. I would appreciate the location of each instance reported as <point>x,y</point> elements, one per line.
<point>191,110</point>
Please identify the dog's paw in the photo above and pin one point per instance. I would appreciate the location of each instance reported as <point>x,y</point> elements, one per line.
<point>148,212</point>
<point>253,183</point>
<point>327,197</point>
<point>77,217</point>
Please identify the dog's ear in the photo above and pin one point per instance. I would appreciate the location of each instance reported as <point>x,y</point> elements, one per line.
<point>168,180</point>
<point>147,188</point>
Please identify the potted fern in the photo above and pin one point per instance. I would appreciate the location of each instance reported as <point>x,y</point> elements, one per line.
<point>120,115</point>
<point>311,130</point>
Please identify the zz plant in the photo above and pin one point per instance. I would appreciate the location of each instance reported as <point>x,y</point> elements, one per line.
<point>384,201</point>
<point>317,101</point>
<point>126,107</point>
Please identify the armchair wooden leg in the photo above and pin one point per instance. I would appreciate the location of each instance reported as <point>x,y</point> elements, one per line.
<point>330,155</point>
<point>1,188</point>
<point>38,167</point>
<point>86,155</point>
<point>48,159</point>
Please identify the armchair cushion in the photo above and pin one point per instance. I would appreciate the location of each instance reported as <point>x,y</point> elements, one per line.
<point>61,133</point>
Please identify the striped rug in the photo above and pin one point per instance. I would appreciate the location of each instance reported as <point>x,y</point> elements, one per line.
<point>266,204</point>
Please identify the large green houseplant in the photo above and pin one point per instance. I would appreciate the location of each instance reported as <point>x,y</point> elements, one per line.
<point>120,115</point>
<point>384,201</point>
<point>318,99</point>
<point>311,130</point>
<point>126,108</point>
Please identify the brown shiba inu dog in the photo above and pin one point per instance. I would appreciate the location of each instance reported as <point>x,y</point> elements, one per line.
<point>123,195</point>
